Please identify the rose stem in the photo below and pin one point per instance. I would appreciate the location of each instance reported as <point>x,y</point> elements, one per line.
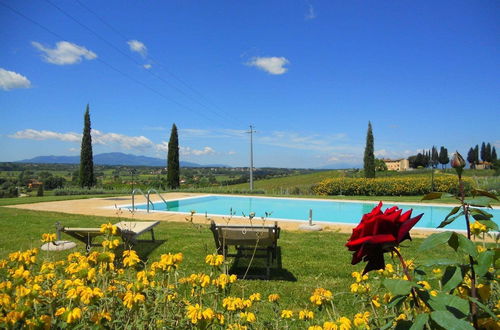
<point>471,260</point>
<point>405,270</point>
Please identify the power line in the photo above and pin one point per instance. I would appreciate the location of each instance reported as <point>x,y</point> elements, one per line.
<point>107,64</point>
<point>130,57</point>
<point>154,60</point>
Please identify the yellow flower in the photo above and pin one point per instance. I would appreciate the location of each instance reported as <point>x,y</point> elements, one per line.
<point>74,315</point>
<point>47,238</point>
<point>433,293</point>
<point>306,314</point>
<point>130,258</point>
<point>110,244</point>
<point>436,271</point>
<point>214,260</point>
<point>320,296</point>
<point>208,314</point>
<point>236,326</point>
<point>477,228</point>
<point>480,248</point>
<point>194,313</point>
<point>13,317</point>
<point>286,314</point>
<point>401,316</point>
<point>131,298</point>
<point>223,280</point>
<point>99,317</point>
<point>376,301</point>
<point>361,319</point>
<point>315,327</point>
<point>248,317</point>
<point>60,311</point>
<point>108,229</point>
<point>255,297</point>
<point>359,277</point>
<point>274,297</point>
<point>424,284</point>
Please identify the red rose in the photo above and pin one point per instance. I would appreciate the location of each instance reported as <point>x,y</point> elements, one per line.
<point>379,232</point>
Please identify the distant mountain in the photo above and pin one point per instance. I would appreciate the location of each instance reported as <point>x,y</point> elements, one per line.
<point>112,158</point>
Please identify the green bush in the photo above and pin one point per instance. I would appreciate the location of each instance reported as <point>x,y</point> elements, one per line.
<point>403,186</point>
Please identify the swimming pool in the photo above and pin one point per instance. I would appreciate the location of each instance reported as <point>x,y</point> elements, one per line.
<point>298,209</point>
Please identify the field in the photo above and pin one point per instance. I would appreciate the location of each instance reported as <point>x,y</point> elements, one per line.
<point>310,260</point>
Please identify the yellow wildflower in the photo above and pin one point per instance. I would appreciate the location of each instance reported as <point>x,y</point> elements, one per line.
<point>477,228</point>
<point>60,311</point>
<point>74,315</point>
<point>101,316</point>
<point>321,296</point>
<point>194,313</point>
<point>274,297</point>
<point>13,316</point>
<point>108,229</point>
<point>111,244</point>
<point>131,298</point>
<point>306,314</point>
<point>359,277</point>
<point>47,238</point>
<point>214,260</point>
<point>361,319</point>
<point>255,297</point>
<point>208,314</point>
<point>286,314</point>
<point>376,301</point>
<point>424,284</point>
<point>248,317</point>
<point>130,258</point>
<point>315,327</point>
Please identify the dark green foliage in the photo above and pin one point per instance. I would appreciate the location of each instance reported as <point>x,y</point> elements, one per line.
<point>380,165</point>
<point>476,154</point>
<point>483,152</point>
<point>493,154</point>
<point>369,158</point>
<point>86,174</point>
<point>173,160</point>
<point>443,157</point>
<point>487,152</point>
<point>434,159</point>
<point>39,192</point>
<point>471,158</point>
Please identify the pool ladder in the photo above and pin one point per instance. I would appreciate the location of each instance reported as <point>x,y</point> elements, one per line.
<point>148,199</point>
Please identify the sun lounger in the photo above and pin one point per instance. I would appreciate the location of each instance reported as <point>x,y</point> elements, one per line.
<point>249,241</point>
<point>128,230</point>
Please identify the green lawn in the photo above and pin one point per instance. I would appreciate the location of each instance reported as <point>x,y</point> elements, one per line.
<point>29,200</point>
<point>309,259</point>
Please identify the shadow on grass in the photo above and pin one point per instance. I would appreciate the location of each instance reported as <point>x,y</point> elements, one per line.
<point>245,267</point>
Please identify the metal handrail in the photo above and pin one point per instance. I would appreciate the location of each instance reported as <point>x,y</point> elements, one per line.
<point>156,191</point>
<point>147,198</point>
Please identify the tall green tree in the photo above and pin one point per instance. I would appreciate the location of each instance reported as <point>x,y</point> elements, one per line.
<point>493,154</point>
<point>476,155</point>
<point>471,158</point>
<point>487,152</point>
<point>369,158</point>
<point>434,157</point>
<point>483,152</point>
<point>443,157</point>
<point>173,160</point>
<point>86,175</point>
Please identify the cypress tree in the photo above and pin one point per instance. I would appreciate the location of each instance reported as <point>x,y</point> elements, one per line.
<point>369,158</point>
<point>173,160</point>
<point>483,152</point>
<point>476,155</point>
<point>471,157</point>
<point>493,154</point>
<point>434,157</point>
<point>86,175</point>
<point>487,152</point>
<point>443,156</point>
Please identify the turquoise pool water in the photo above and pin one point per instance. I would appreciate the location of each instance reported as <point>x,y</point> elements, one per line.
<point>298,209</point>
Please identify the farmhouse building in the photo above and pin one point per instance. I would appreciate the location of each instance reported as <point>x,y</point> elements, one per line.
<point>397,164</point>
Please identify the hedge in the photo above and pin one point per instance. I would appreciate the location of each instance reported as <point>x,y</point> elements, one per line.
<point>404,186</point>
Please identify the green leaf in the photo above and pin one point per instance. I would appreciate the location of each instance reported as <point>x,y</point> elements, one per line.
<point>485,193</point>
<point>484,261</point>
<point>467,245</point>
<point>446,302</point>
<point>484,308</point>
<point>474,210</point>
<point>436,195</point>
<point>420,321</point>
<point>435,240</point>
<point>446,319</point>
<point>396,300</point>
<point>447,221</point>
<point>403,325</point>
<point>398,287</point>
<point>452,277</point>
<point>479,201</point>
<point>453,211</point>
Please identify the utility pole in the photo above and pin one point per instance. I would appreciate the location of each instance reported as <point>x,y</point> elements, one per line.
<point>251,131</point>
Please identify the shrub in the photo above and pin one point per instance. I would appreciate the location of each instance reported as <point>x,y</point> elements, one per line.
<point>393,186</point>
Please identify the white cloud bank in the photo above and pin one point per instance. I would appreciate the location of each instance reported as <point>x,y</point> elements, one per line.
<point>138,47</point>
<point>64,53</point>
<point>272,65</point>
<point>187,151</point>
<point>12,80</point>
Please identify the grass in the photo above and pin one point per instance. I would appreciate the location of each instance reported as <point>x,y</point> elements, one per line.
<point>310,259</point>
<point>29,200</point>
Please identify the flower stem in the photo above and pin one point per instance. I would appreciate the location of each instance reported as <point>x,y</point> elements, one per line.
<point>407,273</point>
<point>465,207</point>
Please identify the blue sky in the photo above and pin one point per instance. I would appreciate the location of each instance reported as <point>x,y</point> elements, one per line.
<point>309,75</point>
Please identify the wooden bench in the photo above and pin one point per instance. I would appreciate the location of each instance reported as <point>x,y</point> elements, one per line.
<point>128,230</point>
<point>249,241</point>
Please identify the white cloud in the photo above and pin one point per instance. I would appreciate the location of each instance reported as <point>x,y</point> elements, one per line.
<point>311,13</point>
<point>230,153</point>
<point>147,66</point>
<point>272,65</point>
<point>187,151</point>
<point>98,137</point>
<point>32,134</point>
<point>64,53</point>
<point>138,47</point>
<point>127,142</point>
<point>292,140</point>
<point>11,80</point>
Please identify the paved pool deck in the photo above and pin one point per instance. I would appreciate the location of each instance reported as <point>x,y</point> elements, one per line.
<point>106,207</point>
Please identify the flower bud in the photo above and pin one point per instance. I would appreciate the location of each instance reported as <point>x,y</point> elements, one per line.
<point>457,161</point>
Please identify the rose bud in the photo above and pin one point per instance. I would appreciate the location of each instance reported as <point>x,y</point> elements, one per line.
<point>457,161</point>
